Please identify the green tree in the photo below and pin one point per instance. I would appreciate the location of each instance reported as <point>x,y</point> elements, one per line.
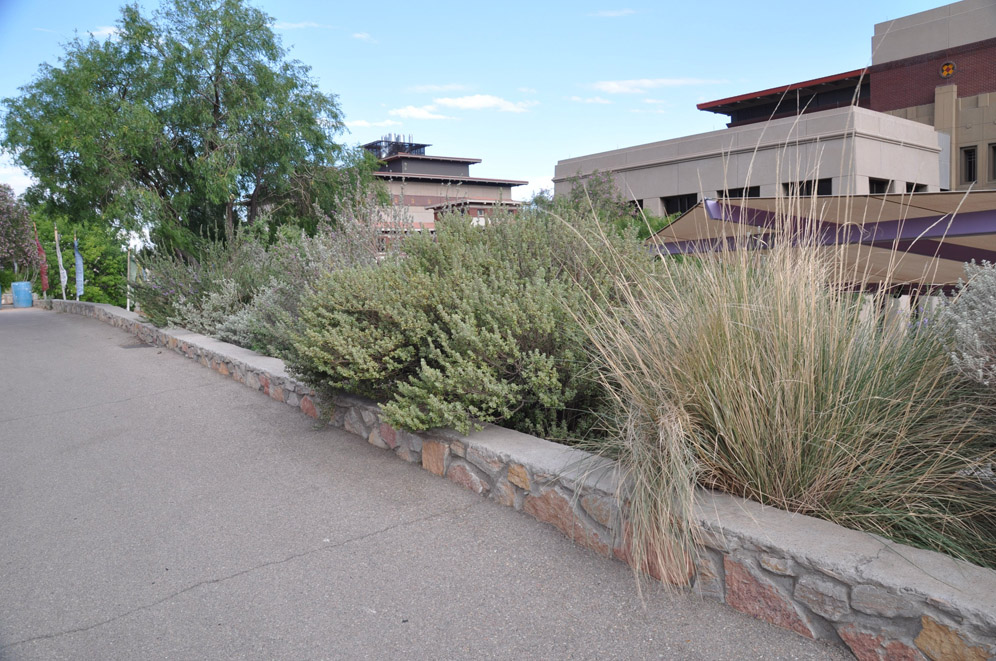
<point>18,252</point>
<point>188,123</point>
<point>104,259</point>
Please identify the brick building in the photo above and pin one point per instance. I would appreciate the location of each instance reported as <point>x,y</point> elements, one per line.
<point>427,185</point>
<point>921,118</point>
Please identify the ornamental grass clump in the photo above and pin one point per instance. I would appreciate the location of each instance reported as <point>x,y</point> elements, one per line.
<point>761,373</point>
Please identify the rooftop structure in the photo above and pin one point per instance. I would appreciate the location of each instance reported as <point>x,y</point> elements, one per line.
<point>922,118</point>
<point>424,184</point>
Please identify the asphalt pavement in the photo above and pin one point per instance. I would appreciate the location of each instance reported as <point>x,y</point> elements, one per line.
<point>153,509</point>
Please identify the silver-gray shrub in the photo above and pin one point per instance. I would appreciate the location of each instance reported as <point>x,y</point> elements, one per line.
<point>972,319</point>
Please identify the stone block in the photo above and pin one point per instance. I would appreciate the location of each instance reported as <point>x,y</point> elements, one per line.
<point>709,575</point>
<point>252,380</point>
<point>264,382</point>
<point>874,647</point>
<point>458,449</point>
<point>353,422</point>
<point>601,509</point>
<point>553,508</point>
<point>942,643</point>
<point>370,417</point>
<point>375,440</point>
<point>277,393</point>
<point>823,596</point>
<point>466,477</point>
<point>762,599</point>
<point>776,565</point>
<point>308,407</point>
<point>435,456</point>
<point>519,476</point>
<point>487,463</point>
<point>389,435</point>
<point>878,601</point>
<point>223,369</point>
<point>504,493</point>
<point>293,399</point>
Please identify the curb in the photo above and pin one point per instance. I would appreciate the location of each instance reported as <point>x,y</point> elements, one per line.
<point>876,598</point>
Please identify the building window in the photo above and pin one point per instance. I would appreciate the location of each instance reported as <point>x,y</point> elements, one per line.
<point>739,193</point>
<point>969,163</point>
<point>679,203</point>
<point>913,187</point>
<point>806,188</point>
<point>879,186</point>
<point>992,162</point>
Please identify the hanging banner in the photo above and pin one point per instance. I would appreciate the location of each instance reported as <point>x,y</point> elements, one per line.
<point>79,268</point>
<point>63,277</point>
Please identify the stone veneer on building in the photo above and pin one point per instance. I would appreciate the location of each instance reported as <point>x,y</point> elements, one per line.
<point>879,599</point>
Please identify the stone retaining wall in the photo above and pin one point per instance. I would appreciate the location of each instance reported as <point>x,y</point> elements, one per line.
<point>879,599</point>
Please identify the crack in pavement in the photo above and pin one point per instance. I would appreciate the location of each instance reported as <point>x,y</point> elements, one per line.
<point>116,401</point>
<point>213,581</point>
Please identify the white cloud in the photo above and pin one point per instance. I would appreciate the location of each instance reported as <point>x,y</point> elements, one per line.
<point>303,25</point>
<point>447,87</point>
<point>104,31</point>
<point>590,99</point>
<point>417,112</point>
<point>14,176</point>
<point>641,85</point>
<point>658,102</point>
<point>613,13</point>
<point>364,36</point>
<point>528,90</point>
<point>45,30</point>
<point>485,102</point>
<point>364,124</point>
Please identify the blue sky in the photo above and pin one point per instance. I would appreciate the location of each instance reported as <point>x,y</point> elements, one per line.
<point>520,85</point>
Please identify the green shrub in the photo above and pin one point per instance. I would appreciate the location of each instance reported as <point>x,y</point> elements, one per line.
<point>476,324</point>
<point>972,319</point>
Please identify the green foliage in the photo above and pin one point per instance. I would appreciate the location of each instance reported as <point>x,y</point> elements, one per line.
<point>18,252</point>
<point>971,318</point>
<point>189,123</point>
<point>474,325</point>
<point>104,259</point>
<point>597,193</point>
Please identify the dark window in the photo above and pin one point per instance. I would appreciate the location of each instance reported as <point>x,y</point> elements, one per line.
<point>740,193</point>
<point>969,163</point>
<point>805,188</point>
<point>992,162</point>
<point>679,203</point>
<point>878,186</point>
<point>912,187</point>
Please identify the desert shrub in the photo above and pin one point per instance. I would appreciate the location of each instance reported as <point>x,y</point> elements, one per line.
<point>472,325</point>
<point>755,374</point>
<point>972,319</point>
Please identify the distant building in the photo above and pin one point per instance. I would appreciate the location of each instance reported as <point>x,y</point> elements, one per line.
<point>922,118</point>
<point>428,185</point>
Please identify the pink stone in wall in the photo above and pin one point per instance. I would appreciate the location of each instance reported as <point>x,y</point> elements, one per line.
<point>870,647</point>
<point>460,474</point>
<point>264,381</point>
<point>277,393</point>
<point>389,435</point>
<point>762,600</point>
<point>553,508</point>
<point>308,407</point>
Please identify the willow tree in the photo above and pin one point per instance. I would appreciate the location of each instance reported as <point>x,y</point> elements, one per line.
<point>190,123</point>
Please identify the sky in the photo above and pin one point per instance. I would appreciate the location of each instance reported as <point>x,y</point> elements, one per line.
<point>519,85</point>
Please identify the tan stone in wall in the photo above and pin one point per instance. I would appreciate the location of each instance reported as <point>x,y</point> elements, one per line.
<point>941,643</point>
<point>434,456</point>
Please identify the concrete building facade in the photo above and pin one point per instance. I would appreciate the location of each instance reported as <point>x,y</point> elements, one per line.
<point>922,118</point>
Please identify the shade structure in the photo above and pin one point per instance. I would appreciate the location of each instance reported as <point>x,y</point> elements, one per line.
<point>901,240</point>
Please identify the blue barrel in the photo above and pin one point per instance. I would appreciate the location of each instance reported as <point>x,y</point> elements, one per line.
<point>22,294</point>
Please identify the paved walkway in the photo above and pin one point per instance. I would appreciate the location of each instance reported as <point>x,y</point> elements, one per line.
<point>153,509</point>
